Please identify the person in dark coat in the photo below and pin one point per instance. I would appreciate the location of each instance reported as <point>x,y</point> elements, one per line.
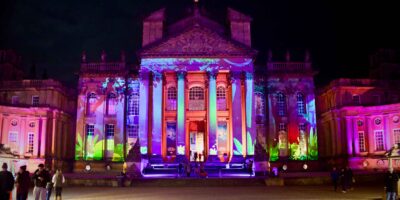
<point>343,179</point>
<point>40,178</point>
<point>391,180</point>
<point>335,178</point>
<point>22,182</point>
<point>349,178</point>
<point>6,182</point>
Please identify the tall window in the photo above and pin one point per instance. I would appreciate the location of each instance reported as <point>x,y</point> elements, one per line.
<point>110,131</point>
<point>91,101</point>
<point>133,103</point>
<point>396,135</point>
<point>260,107</point>
<point>12,137</point>
<point>221,98</point>
<point>111,104</point>
<point>282,127</point>
<point>14,100</point>
<point>132,131</point>
<point>379,145</point>
<point>281,104</point>
<point>89,129</point>
<point>300,104</point>
<point>196,98</point>
<point>260,104</point>
<point>30,142</point>
<point>171,98</point>
<point>35,100</point>
<point>361,141</point>
<point>356,100</point>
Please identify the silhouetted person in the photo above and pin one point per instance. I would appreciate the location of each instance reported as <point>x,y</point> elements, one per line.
<point>343,179</point>
<point>22,182</point>
<point>6,183</point>
<point>40,178</point>
<point>335,178</point>
<point>391,180</point>
<point>349,177</point>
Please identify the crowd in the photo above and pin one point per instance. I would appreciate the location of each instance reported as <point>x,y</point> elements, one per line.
<point>43,183</point>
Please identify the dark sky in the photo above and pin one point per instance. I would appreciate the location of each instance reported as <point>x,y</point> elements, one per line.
<point>340,35</point>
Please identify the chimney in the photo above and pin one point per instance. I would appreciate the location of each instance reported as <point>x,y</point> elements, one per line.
<point>153,27</point>
<point>240,26</point>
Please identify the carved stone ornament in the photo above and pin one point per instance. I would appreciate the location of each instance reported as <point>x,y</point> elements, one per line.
<point>378,121</point>
<point>197,41</point>
<point>396,119</point>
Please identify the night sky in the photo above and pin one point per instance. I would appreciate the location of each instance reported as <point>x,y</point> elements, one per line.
<point>340,35</point>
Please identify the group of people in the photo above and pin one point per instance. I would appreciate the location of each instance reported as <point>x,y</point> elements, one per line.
<point>187,169</point>
<point>344,177</point>
<point>42,181</point>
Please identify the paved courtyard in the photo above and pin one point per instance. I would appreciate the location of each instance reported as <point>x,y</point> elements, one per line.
<point>228,193</point>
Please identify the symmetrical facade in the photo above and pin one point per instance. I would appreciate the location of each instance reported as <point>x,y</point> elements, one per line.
<point>195,97</point>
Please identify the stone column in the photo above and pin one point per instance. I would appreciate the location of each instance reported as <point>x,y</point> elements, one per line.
<point>237,114</point>
<point>156,131</point>
<point>356,150</point>
<point>212,113</point>
<point>22,136</point>
<point>1,128</point>
<point>42,138</point>
<point>370,136</point>
<point>250,114</point>
<point>143,111</point>
<point>349,131</point>
<point>180,111</point>
<point>388,143</point>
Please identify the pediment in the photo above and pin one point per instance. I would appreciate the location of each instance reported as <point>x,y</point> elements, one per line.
<point>197,41</point>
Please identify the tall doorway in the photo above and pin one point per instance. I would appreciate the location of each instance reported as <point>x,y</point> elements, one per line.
<point>197,140</point>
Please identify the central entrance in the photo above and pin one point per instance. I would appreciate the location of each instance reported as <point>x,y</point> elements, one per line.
<point>197,140</point>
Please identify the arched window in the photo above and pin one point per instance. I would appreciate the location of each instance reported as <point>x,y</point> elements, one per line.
<point>221,98</point>
<point>133,103</point>
<point>300,104</point>
<point>196,98</point>
<point>90,105</point>
<point>171,98</point>
<point>281,104</point>
<point>111,104</point>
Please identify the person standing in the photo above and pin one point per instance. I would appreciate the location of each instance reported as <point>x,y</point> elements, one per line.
<point>391,180</point>
<point>58,180</point>
<point>6,182</point>
<point>335,178</point>
<point>40,178</point>
<point>343,179</point>
<point>349,178</point>
<point>22,182</point>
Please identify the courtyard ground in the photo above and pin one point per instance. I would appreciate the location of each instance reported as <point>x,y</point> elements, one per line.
<point>211,193</point>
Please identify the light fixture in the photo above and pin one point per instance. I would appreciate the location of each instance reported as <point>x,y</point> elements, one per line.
<point>88,168</point>
<point>284,167</point>
<point>305,166</point>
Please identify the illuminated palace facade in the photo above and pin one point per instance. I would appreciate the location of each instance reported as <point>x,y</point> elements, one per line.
<point>37,119</point>
<point>195,96</point>
<point>359,119</point>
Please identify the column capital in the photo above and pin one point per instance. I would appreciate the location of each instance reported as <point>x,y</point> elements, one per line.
<point>212,74</point>
<point>235,76</point>
<point>249,75</point>
<point>180,74</point>
<point>157,78</point>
